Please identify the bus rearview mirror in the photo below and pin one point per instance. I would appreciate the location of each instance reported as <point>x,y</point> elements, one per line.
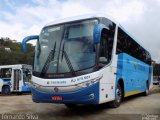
<point>26,39</point>
<point>97,32</point>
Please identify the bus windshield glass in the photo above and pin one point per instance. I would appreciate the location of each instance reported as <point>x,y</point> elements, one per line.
<point>65,48</point>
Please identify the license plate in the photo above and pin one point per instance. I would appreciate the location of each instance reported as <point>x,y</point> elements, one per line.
<point>58,98</point>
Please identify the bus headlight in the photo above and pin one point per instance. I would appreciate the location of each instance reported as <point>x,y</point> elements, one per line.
<point>35,85</point>
<point>27,83</point>
<point>90,82</point>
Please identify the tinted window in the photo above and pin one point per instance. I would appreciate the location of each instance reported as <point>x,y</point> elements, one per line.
<point>6,73</point>
<point>107,39</point>
<point>125,44</point>
<point>106,44</point>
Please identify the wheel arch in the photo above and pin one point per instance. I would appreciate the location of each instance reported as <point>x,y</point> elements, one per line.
<point>148,84</point>
<point>6,86</point>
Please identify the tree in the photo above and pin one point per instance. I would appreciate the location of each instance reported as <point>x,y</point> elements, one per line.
<point>156,69</point>
<point>15,56</point>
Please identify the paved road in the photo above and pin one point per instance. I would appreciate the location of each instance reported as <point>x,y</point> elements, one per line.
<point>133,108</point>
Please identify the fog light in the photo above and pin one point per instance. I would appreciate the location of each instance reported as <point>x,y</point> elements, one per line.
<point>91,96</point>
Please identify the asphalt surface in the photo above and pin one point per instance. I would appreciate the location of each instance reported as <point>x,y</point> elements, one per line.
<point>132,108</point>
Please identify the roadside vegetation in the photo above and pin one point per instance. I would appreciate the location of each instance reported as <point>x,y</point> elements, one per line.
<point>10,52</point>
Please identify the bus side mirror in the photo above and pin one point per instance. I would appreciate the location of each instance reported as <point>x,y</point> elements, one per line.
<point>26,39</point>
<point>97,32</point>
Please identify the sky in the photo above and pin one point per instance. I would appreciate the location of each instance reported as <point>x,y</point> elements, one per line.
<point>20,18</point>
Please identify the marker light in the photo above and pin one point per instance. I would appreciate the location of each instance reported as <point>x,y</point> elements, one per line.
<point>35,85</point>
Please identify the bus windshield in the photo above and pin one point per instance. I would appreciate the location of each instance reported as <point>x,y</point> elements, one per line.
<point>65,48</point>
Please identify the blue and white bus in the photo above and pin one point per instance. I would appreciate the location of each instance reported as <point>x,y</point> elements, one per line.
<point>15,78</point>
<point>88,59</point>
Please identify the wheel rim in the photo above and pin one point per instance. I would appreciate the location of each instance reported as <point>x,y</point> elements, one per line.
<point>147,89</point>
<point>118,95</point>
<point>6,91</point>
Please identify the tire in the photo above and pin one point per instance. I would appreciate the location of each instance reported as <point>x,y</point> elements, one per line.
<point>71,106</point>
<point>6,90</point>
<point>118,97</point>
<point>146,93</point>
<point>19,93</point>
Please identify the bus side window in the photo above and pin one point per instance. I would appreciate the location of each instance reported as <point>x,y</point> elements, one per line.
<point>6,73</point>
<point>104,46</point>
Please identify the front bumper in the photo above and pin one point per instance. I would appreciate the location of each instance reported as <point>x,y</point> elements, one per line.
<point>81,96</point>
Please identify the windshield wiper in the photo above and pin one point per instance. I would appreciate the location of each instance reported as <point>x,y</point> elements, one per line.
<point>49,59</point>
<point>64,53</point>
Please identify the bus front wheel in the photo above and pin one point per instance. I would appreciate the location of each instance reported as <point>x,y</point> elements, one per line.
<point>118,97</point>
<point>6,90</point>
<point>71,106</point>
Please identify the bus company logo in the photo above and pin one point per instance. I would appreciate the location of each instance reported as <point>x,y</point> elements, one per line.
<point>48,82</point>
<point>135,65</point>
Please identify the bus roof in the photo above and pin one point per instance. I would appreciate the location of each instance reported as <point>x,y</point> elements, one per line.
<point>81,17</point>
<point>89,16</point>
<point>14,66</point>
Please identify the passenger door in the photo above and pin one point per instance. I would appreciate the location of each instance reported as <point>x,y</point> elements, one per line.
<point>16,79</point>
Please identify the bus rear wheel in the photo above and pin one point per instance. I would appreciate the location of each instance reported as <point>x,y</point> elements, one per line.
<point>118,97</point>
<point>6,90</point>
<point>146,93</point>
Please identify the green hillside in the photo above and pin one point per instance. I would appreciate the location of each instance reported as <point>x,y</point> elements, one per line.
<point>10,52</point>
